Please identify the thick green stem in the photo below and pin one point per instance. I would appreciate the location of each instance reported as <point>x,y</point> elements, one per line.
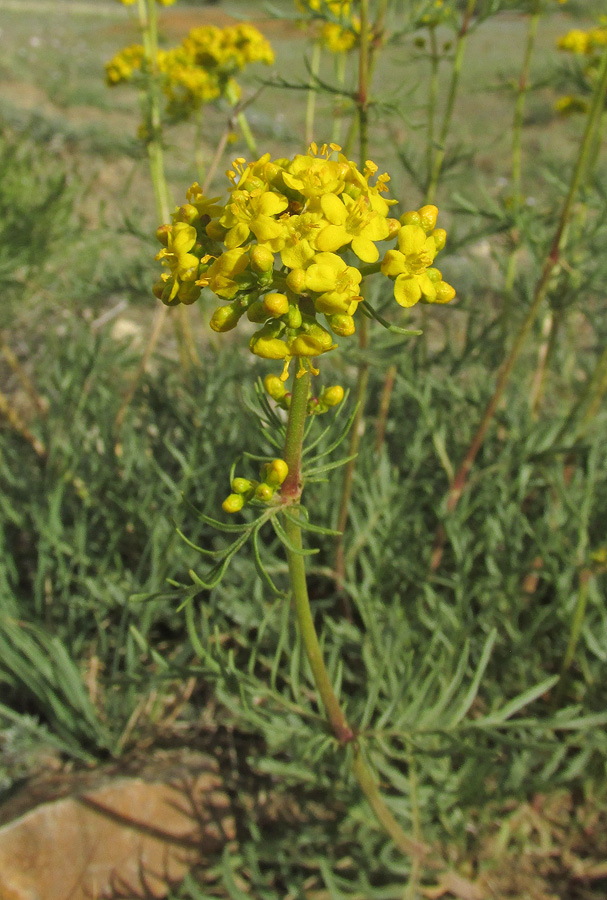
<point>342,730</point>
<point>295,431</point>
<point>541,290</point>
<point>439,155</point>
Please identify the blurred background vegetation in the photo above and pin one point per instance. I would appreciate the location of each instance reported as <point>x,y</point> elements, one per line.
<point>490,732</point>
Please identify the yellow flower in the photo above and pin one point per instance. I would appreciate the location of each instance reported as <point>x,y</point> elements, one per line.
<point>339,39</point>
<point>183,265</point>
<point>336,283</point>
<point>312,176</point>
<point>352,222</point>
<point>408,264</point>
<point>298,239</point>
<point>220,276</point>
<point>575,41</point>
<point>123,65</point>
<point>253,212</point>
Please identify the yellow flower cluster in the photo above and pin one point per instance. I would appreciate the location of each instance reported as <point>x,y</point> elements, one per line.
<point>288,246</point>
<point>587,44</point>
<point>339,28</point>
<point>201,68</point>
<point>583,43</point>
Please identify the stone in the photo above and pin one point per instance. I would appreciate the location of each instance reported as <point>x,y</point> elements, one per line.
<point>111,834</point>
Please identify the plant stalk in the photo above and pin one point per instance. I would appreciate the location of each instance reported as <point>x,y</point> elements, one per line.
<point>340,726</point>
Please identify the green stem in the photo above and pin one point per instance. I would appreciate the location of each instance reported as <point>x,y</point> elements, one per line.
<point>541,290</point>
<point>296,424</point>
<point>247,134</point>
<point>439,155</point>
<point>311,101</point>
<point>305,621</point>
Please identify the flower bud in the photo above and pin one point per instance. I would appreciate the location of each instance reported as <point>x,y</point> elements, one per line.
<point>296,280</point>
<point>294,318</point>
<point>444,292</point>
<point>306,345</point>
<point>162,234</point>
<point>393,228</point>
<point>257,312</point>
<point>428,215</point>
<point>434,275</point>
<point>274,386</point>
<point>332,396</point>
<point>264,492</point>
<point>276,305</point>
<point>233,503</point>
<point>215,231</point>
<point>188,292</point>
<point>158,289</point>
<point>186,213</point>
<point>224,318</point>
<point>440,238</point>
<point>268,347</point>
<point>276,472</point>
<point>410,218</point>
<point>242,485</point>
<point>342,325</point>
<point>262,259</point>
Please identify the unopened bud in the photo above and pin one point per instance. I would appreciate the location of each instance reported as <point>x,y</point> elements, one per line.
<point>224,319</point>
<point>215,231</point>
<point>342,325</point>
<point>428,215</point>
<point>444,292</point>
<point>268,347</point>
<point>274,386</point>
<point>264,492</point>
<point>393,228</point>
<point>187,213</point>
<point>434,275</point>
<point>262,259</point>
<point>294,318</point>
<point>276,472</point>
<point>296,280</point>
<point>332,396</point>
<point>188,292</point>
<point>257,313</point>
<point>410,218</point>
<point>440,238</point>
<point>276,304</point>
<point>162,234</point>
<point>242,485</point>
<point>233,503</point>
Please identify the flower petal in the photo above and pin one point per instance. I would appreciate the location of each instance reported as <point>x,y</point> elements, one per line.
<point>407,291</point>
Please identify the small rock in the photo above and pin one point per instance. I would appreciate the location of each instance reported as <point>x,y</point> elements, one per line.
<point>125,836</point>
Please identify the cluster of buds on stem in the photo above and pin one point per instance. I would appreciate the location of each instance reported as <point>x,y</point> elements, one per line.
<point>245,491</point>
<point>328,398</point>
